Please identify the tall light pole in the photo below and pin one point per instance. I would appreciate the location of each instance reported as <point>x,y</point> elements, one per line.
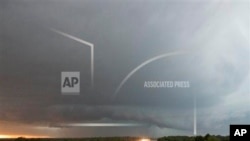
<point>195,116</point>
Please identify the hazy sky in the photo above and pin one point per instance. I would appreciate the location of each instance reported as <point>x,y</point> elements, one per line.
<point>125,33</point>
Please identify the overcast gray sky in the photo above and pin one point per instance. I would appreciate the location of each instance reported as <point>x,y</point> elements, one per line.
<point>125,33</point>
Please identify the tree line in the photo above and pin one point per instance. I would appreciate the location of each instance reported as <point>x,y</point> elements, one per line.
<point>207,137</point>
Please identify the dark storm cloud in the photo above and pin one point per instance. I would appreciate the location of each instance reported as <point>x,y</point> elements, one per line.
<point>125,34</point>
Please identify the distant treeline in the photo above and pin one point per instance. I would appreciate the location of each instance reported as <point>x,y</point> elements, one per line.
<point>169,138</point>
<point>197,138</point>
